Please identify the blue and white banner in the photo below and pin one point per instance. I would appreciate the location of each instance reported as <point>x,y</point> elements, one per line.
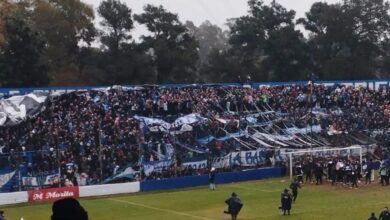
<point>30,181</point>
<point>243,158</point>
<point>5,178</point>
<point>307,130</point>
<point>128,173</point>
<point>156,166</point>
<point>196,165</point>
<point>16,109</point>
<point>51,179</point>
<point>188,119</point>
<point>41,180</point>
<point>155,124</point>
<point>150,122</point>
<point>208,139</point>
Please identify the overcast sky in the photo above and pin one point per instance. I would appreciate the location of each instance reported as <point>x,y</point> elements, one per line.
<point>216,11</point>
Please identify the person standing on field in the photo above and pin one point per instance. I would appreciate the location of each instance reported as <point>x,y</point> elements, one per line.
<point>286,200</point>
<point>2,217</point>
<point>234,206</point>
<point>385,214</point>
<point>299,173</point>
<point>294,188</point>
<point>383,172</point>
<point>212,178</point>
<point>372,217</point>
<point>367,168</point>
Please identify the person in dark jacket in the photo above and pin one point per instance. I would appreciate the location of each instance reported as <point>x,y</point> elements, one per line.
<point>372,217</point>
<point>368,171</point>
<point>212,178</point>
<point>286,200</point>
<point>385,214</point>
<point>68,209</point>
<point>299,173</point>
<point>2,217</point>
<point>234,205</point>
<point>383,171</point>
<point>318,171</point>
<point>294,188</point>
<point>308,170</point>
<point>354,178</point>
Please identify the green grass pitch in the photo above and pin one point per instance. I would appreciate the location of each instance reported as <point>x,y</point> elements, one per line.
<point>260,198</point>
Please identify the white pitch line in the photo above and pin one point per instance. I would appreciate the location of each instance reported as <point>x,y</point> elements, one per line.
<point>160,209</point>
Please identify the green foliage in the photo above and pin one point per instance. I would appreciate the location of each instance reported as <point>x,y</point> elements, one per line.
<point>288,55</point>
<point>171,47</point>
<point>210,37</point>
<point>117,20</point>
<point>348,40</point>
<point>21,57</point>
<point>221,67</point>
<point>266,44</point>
<point>64,24</point>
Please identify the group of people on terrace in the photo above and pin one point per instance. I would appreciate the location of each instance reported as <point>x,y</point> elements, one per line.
<point>95,133</point>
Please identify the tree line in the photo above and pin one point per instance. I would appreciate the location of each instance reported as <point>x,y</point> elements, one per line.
<point>51,42</point>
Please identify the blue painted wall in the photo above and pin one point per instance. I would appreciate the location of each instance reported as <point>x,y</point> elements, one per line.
<point>192,181</point>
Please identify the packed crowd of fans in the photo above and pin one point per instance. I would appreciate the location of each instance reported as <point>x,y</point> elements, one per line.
<point>94,133</point>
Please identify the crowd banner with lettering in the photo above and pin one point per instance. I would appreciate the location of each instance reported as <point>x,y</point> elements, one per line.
<point>329,152</point>
<point>155,166</point>
<point>196,165</point>
<point>242,158</point>
<point>52,194</point>
<point>307,130</point>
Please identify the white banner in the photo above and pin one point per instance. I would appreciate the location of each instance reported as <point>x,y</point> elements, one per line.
<point>243,158</point>
<point>14,110</point>
<point>197,164</point>
<point>5,178</point>
<point>156,166</point>
<point>29,181</point>
<point>41,180</point>
<point>50,179</point>
<point>151,122</point>
<point>308,129</point>
<point>188,119</point>
<point>156,125</point>
<point>329,152</point>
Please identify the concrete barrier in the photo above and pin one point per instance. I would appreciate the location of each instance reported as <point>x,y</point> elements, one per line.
<point>109,189</point>
<point>13,198</point>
